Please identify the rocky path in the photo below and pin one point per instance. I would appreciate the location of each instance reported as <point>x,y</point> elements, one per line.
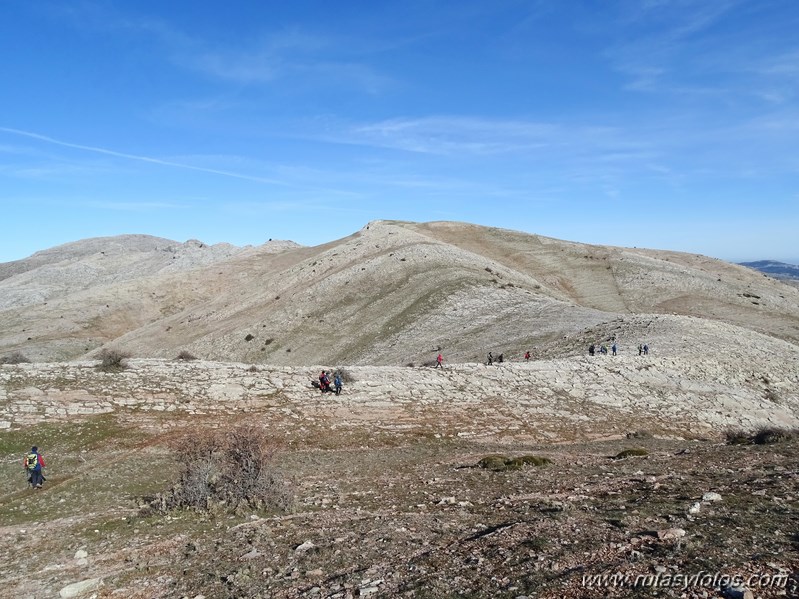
<point>559,399</point>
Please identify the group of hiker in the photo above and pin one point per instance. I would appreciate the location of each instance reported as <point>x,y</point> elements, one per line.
<point>324,382</point>
<point>593,349</point>
<point>489,360</point>
<point>499,359</point>
<point>602,349</point>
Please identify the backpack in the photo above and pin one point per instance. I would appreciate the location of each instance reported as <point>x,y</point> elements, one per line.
<point>32,461</point>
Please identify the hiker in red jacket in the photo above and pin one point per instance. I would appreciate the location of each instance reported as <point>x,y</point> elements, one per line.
<point>33,466</point>
<point>440,361</point>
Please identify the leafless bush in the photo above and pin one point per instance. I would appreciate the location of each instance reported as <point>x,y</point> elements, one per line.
<point>346,376</point>
<point>112,360</point>
<point>737,437</point>
<point>768,435</point>
<point>230,468</point>
<point>15,358</point>
<point>186,355</point>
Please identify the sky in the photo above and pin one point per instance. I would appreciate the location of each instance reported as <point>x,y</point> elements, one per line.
<point>667,124</point>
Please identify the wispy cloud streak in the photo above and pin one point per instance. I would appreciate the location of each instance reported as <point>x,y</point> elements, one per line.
<point>135,206</point>
<point>139,158</point>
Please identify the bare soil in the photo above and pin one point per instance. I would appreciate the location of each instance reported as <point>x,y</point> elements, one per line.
<point>377,516</point>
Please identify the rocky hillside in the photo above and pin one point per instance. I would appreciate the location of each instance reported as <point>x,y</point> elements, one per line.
<point>393,293</point>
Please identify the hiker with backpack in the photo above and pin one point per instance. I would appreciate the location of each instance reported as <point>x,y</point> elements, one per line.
<point>324,382</point>
<point>439,361</point>
<point>33,466</point>
<point>337,383</point>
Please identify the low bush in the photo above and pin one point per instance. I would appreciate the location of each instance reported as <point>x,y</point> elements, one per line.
<point>737,437</point>
<point>112,360</point>
<point>15,358</point>
<point>493,462</point>
<point>346,376</point>
<point>501,463</point>
<point>766,435</point>
<point>533,460</point>
<point>186,356</point>
<point>630,453</point>
<point>230,470</point>
<point>769,435</point>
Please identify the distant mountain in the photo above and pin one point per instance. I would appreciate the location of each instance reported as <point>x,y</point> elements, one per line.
<point>779,270</point>
<point>392,293</point>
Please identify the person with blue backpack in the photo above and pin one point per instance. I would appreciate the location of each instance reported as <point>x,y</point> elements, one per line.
<point>33,466</point>
<point>337,383</point>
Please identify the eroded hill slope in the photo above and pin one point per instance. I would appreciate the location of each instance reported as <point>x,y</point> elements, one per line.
<point>392,293</point>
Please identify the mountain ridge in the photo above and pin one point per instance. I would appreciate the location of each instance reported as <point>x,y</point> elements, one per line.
<point>393,292</point>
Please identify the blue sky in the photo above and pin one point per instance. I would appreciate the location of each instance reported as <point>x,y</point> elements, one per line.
<point>670,124</point>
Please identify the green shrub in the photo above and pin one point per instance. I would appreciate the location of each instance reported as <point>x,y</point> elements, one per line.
<point>501,463</point>
<point>493,462</point>
<point>631,452</point>
<point>536,543</point>
<point>533,460</point>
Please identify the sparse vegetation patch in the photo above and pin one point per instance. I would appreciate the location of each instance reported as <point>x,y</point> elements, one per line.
<point>630,453</point>
<point>226,470</point>
<point>112,360</point>
<point>501,463</point>
<point>769,435</point>
<point>15,358</point>
<point>766,435</point>
<point>346,375</point>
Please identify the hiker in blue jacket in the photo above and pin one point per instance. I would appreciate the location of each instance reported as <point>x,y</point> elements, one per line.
<point>337,383</point>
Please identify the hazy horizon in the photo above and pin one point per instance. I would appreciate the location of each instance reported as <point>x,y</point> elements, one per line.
<point>794,261</point>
